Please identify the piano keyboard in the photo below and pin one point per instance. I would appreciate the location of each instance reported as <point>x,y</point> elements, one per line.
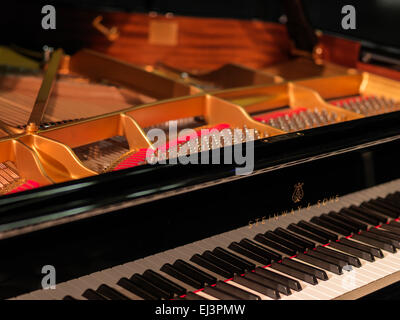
<point>339,250</point>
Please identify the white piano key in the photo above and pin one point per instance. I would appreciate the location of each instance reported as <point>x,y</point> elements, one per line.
<point>135,267</point>
<point>211,273</point>
<point>363,277</point>
<point>73,288</point>
<point>328,284</point>
<point>110,278</point>
<point>396,256</point>
<point>205,295</point>
<point>243,257</point>
<point>388,264</point>
<point>371,271</point>
<point>374,267</point>
<point>182,284</point>
<point>62,290</point>
<point>308,292</point>
<point>262,296</point>
<point>40,295</point>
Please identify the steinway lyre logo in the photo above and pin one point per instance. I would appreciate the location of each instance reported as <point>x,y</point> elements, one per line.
<point>298,193</point>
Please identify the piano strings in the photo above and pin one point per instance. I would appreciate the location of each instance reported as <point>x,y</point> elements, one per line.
<point>368,105</point>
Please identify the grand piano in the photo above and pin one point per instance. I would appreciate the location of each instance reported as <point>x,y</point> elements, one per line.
<point>93,207</point>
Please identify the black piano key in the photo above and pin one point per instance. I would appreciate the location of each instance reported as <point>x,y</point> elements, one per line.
<point>221,263</point>
<point>374,242</point>
<point>237,247</point>
<point>194,272</point>
<point>177,274</point>
<point>317,230</point>
<point>318,273</point>
<point>391,228</point>
<point>256,286</point>
<point>354,261</point>
<point>289,244</point>
<point>220,294</point>
<point>273,244</point>
<point>205,263</point>
<point>193,296</point>
<point>68,297</point>
<point>238,292</point>
<point>294,238</point>
<point>296,229</point>
<point>268,283</point>
<point>298,274</point>
<point>139,291</point>
<point>385,233</point>
<point>90,294</point>
<point>393,194</point>
<point>385,204</point>
<point>394,198</point>
<point>234,259</point>
<point>260,250</point>
<point>390,204</point>
<point>111,293</point>
<point>387,201</point>
<point>163,282</point>
<point>372,250</point>
<point>380,237</point>
<point>329,226</point>
<point>354,251</point>
<point>329,266</point>
<point>355,223</point>
<point>142,282</point>
<point>380,214</point>
<point>381,209</point>
<point>286,281</point>
<point>393,201</point>
<point>341,263</point>
<point>340,223</point>
<point>357,215</point>
<point>395,223</point>
<point>370,213</point>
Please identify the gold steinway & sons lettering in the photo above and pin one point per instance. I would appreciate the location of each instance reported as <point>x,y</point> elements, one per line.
<point>276,215</point>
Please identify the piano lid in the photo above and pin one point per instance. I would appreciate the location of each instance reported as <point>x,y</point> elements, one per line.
<point>376,22</point>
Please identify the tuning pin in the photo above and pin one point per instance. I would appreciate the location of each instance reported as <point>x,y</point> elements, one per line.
<point>333,117</point>
<point>273,123</point>
<point>283,124</point>
<point>393,104</point>
<point>302,124</point>
<point>324,116</point>
<point>313,118</point>
<point>305,119</point>
<point>346,106</point>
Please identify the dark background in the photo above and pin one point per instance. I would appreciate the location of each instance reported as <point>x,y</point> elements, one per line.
<point>378,21</point>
